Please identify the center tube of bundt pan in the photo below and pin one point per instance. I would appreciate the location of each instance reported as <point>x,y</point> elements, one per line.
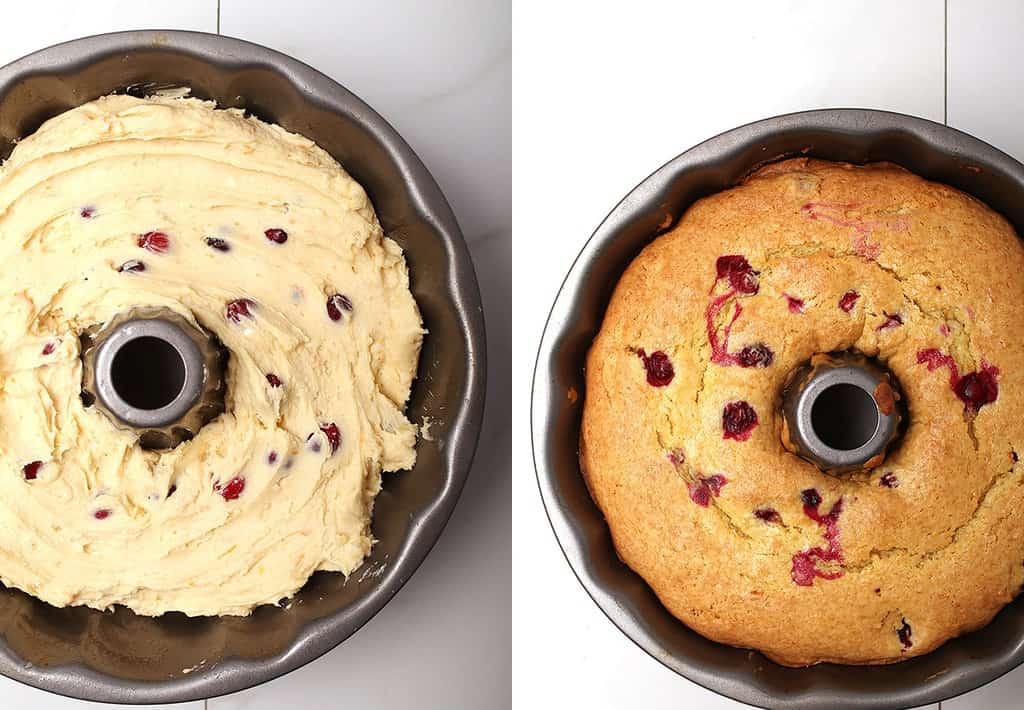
<point>154,371</point>
<point>842,411</point>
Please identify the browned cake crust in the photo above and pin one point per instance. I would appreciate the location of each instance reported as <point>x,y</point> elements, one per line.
<point>751,545</point>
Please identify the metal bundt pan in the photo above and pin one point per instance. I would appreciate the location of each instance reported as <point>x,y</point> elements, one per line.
<point>121,657</point>
<point>856,135</point>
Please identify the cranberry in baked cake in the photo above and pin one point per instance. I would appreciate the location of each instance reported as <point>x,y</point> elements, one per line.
<point>658,366</point>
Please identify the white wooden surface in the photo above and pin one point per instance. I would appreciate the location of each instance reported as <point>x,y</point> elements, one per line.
<point>440,73</point>
<point>603,98</point>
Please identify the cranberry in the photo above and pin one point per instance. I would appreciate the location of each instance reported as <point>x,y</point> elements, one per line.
<point>743,281</point>
<point>31,470</point>
<point>715,483</point>
<point>738,419</point>
<point>330,430</point>
<point>974,389</point>
<point>232,489</point>
<point>903,632</point>
<point>977,389</point>
<point>87,212</point>
<point>740,273</point>
<point>238,309</point>
<point>132,265</point>
<point>102,513</point>
<point>805,566</point>
<point>810,498</point>
<point>796,305</point>
<point>676,457</point>
<point>768,515</point>
<point>848,301</point>
<point>337,305</point>
<point>658,366</point>
<point>759,355</point>
<point>889,480</point>
<point>892,320</point>
<point>720,348</point>
<point>276,235</point>
<point>49,348</point>
<point>273,379</point>
<point>935,359</point>
<point>156,242</point>
<point>218,244</point>
<point>805,563</point>
<point>272,458</point>
<point>703,489</point>
<point>699,493</point>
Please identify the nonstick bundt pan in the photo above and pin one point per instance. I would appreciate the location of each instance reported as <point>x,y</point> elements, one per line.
<point>855,135</point>
<point>117,656</point>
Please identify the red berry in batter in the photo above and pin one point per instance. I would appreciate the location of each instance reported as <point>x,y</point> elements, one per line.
<point>974,389</point>
<point>276,235</point>
<point>102,513</point>
<point>702,490</point>
<point>805,563</point>
<point>658,366</point>
<point>889,480</point>
<point>238,309</point>
<point>31,470</point>
<point>273,379</point>
<point>738,420</point>
<point>232,489</point>
<point>892,320</point>
<point>337,306</point>
<point>977,389</point>
<point>156,242</point>
<point>904,634</point>
<point>739,272</point>
<point>768,515</point>
<point>810,498</point>
<point>330,430</point>
<point>848,301</point>
<point>759,355</point>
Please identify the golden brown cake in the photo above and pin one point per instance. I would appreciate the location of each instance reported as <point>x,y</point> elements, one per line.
<point>682,441</point>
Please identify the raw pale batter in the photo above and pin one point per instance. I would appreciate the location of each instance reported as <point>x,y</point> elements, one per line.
<point>259,236</point>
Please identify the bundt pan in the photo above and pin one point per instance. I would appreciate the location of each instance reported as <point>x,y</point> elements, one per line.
<point>117,656</point>
<point>855,135</point>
